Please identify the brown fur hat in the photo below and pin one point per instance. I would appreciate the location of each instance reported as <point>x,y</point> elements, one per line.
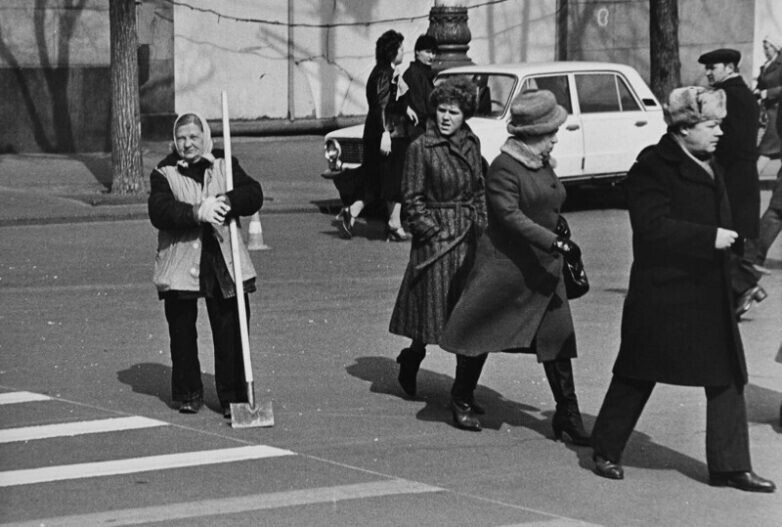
<point>693,104</point>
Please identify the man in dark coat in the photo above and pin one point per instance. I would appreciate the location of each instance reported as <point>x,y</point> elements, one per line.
<point>737,153</point>
<point>677,324</point>
<point>419,78</point>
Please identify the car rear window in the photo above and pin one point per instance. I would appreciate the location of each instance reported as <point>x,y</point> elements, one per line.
<point>604,92</point>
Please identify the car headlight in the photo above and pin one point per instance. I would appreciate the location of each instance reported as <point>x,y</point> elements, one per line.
<point>332,152</point>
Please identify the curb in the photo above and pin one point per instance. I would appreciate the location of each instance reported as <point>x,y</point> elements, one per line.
<point>139,212</point>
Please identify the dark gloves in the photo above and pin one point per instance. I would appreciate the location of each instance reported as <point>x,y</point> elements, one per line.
<point>568,249</point>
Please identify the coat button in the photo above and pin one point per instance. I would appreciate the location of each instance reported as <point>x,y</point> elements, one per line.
<point>194,271</point>
<point>196,245</point>
<point>553,185</point>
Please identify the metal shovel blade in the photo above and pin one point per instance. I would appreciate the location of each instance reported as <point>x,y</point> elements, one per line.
<point>245,416</point>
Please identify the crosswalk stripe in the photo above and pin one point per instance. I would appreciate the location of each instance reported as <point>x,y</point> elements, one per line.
<point>12,478</point>
<point>22,397</point>
<point>234,505</point>
<point>114,424</point>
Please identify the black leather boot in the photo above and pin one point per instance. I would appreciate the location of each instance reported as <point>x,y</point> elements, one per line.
<point>468,370</point>
<point>409,360</point>
<point>567,418</point>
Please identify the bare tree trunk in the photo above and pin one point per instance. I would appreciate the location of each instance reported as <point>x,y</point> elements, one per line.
<point>125,111</point>
<point>562,28</point>
<point>665,65</point>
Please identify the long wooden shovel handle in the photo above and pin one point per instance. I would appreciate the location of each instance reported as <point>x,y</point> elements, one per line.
<point>237,264</point>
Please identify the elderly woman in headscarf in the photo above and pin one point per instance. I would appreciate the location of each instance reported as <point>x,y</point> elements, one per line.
<point>515,298</point>
<point>678,325</point>
<point>189,204</point>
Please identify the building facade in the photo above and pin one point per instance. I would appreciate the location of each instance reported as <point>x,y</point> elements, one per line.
<point>288,63</point>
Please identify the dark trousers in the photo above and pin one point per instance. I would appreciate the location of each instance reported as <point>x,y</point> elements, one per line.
<point>223,314</point>
<point>727,435</point>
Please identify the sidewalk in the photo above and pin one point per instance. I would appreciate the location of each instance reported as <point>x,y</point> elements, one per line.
<point>61,188</point>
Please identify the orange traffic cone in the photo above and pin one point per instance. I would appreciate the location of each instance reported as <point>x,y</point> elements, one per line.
<point>255,234</point>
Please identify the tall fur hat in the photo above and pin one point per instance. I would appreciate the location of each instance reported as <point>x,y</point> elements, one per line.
<point>535,112</point>
<point>694,104</point>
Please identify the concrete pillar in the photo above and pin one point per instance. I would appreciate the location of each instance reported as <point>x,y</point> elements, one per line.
<point>448,24</point>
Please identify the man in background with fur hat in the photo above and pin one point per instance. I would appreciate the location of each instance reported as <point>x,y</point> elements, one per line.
<point>677,322</point>
<point>737,152</point>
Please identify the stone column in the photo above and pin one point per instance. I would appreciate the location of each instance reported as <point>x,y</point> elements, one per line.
<point>448,24</point>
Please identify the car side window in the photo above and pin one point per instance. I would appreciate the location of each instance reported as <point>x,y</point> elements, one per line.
<point>626,99</point>
<point>556,84</point>
<point>604,92</point>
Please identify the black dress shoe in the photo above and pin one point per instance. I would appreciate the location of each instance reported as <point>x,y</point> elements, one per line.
<point>753,294</point>
<point>608,469</point>
<point>227,411</point>
<point>476,408</point>
<point>191,407</point>
<point>346,223</point>
<point>463,416</point>
<point>748,481</point>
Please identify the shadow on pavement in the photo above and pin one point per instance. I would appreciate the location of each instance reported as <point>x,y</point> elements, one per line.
<point>151,378</point>
<point>641,451</point>
<point>763,406</point>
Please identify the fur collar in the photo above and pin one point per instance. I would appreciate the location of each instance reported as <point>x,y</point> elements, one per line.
<point>518,150</point>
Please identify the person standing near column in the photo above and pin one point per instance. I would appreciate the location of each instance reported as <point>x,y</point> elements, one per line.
<point>737,153</point>
<point>677,322</point>
<point>419,78</point>
<point>769,90</point>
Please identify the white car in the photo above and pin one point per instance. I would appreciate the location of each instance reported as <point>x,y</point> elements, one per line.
<point>612,116</point>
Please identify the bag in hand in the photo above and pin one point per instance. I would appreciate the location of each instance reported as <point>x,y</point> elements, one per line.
<point>576,281</point>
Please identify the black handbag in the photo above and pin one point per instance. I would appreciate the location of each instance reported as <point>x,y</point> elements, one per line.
<point>576,281</point>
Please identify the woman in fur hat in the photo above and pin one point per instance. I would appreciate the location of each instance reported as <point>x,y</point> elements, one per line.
<point>515,296</point>
<point>678,325</point>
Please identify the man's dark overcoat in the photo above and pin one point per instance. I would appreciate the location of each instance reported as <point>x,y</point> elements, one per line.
<point>445,205</point>
<point>737,152</point>
<point>678,326</point>
<point>515,296</point>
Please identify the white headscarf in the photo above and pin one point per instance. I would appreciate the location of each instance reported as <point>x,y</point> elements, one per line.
<point>208,144</point>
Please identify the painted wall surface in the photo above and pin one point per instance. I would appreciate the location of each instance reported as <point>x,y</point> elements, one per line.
<point>619,32</point>
<point>54,63</point>
<point>333,49</point>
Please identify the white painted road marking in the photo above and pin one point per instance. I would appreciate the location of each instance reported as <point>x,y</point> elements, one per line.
<point>97,426</point>
<point>22,397</point>
<point>12,478</point>
<point>234,505</point>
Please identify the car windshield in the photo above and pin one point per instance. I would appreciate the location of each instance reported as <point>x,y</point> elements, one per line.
<point>493,91</point>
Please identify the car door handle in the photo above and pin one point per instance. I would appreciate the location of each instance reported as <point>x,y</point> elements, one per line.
<point>640,123</point>
<point>572,127</point>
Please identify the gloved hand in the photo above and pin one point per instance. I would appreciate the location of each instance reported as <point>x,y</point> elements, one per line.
<point>568,249</point>
<point>212,210</point>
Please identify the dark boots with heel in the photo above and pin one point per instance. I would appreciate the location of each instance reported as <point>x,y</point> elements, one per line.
<point>463,406</point>
<point>567,418</point>
<point>409,361</point>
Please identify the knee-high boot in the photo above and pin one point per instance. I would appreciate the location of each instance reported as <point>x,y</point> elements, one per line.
<point>409,360</point>
<point>567,418</point>
<point>468,371</point>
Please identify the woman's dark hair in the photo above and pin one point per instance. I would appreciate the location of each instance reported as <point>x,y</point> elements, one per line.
<point>188,118</point>
<point>387,46</point>
<point>459,91</point>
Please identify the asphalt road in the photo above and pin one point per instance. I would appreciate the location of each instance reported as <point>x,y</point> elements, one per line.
<point>81,325</point>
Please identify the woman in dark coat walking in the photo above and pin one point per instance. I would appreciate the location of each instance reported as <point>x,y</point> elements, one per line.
<point>446,211</point>
<point>515,296</point>
<point>677,324</point>
<point>384,141</point>
<point>419,78</point>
